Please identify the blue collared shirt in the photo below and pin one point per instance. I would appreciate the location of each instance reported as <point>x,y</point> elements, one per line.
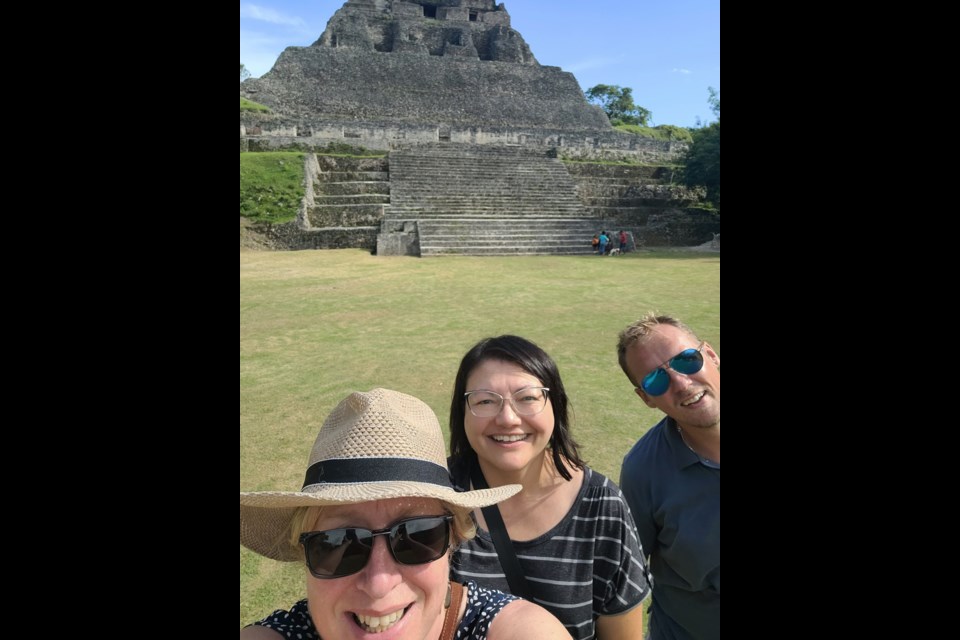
<point>674,497</point>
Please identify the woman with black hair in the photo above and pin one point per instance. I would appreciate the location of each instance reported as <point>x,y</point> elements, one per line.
<point>568,532</point>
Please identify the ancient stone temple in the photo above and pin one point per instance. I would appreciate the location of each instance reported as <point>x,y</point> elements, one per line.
<point>474,126</point>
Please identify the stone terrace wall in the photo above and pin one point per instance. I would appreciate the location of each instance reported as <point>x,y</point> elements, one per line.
<point>268,132</point>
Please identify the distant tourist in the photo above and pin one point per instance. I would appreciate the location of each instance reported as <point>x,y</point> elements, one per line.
<point>623,241</point>
<point>595,242</point>
<point>604,241</point>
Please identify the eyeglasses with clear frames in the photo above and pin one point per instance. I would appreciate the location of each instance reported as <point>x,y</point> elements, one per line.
<point>525,402</point>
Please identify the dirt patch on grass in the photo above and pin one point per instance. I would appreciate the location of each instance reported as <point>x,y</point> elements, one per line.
<point>251,239</point>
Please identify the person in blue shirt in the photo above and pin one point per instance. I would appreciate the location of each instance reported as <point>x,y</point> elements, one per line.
<point>671,477</point>
<point>604,240</point>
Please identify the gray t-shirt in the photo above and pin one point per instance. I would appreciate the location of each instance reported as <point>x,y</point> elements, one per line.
<point>590,564</point>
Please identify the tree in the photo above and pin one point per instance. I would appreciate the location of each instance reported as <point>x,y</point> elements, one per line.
<point>244,74</point>
<point>702,161</point>
<point>617,102</point>
<point>714,101</point>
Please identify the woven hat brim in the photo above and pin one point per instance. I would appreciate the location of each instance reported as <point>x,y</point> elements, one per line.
<point>265,515</point>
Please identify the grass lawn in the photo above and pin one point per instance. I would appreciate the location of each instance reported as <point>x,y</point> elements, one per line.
<point>271,186</point>
<point>316,325</point>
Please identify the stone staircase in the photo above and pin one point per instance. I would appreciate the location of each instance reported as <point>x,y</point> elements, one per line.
<point>349,192</point>
<point>645,201</point>
<point>487,200</point>
<point>623,192</point>
<point>490,236</point>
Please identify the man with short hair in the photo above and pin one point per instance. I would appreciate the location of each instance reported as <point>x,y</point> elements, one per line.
<point>671,476</point>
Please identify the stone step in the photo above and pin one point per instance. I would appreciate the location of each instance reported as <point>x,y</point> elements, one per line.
<point>492,215</point>
<point>625,203</point>
<point>346,215</point>
<point>620,179</point>
<point>627,212</point>
<point>506,207</point>
<point>492,212</point>
<point>556,225</point>
<point>519,230</point>
<point>378,207</point>
<point>470,174</point>
<point>492,199</point>
<point>584,171</point>
<point>519,188</point>
<point>441,181</point>
<point>361,198</point>
<point>505,221</point>
<point>392,215</point>
<point>461,150</point>
<point>608,191</point>
<point>487,212</point>
<point>341,163</point>
<point>484,241</point>
<point>448,192</point>
<point>350,188</point>
<point>353,176</point>
<point>529,167</point>
<point>538,195</point>
<point>468,191</point>
<point>426,251</point>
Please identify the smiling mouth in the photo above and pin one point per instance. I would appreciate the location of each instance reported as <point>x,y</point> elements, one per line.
<point>508,439</point>
<point>378,624</point>
<point>695,399</point>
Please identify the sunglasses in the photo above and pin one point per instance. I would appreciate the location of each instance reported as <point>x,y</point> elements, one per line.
<point>687,362</point>
<point>336,553</point>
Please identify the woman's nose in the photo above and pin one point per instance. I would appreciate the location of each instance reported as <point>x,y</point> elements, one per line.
<point>382,572</point>
<point>507,412</point>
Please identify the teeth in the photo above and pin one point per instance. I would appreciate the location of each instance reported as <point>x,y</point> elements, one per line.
<point>378,624</point>
<point>692,400</point>
<point>510,438</point>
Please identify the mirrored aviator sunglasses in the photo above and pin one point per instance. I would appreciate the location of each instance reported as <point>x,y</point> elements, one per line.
<point>336,553</point>
<point>687,362</point>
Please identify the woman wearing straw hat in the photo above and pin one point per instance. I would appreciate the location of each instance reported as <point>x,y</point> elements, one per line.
<point>377,470</point>
<point>567,540</point>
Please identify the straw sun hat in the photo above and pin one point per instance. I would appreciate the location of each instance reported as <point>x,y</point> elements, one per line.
<point>375,445</point>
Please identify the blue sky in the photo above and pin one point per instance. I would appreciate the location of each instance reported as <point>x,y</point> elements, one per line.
<point>667,51</point>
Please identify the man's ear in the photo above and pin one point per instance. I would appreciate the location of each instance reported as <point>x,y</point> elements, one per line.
<point>714,357</point>
<point>643,396</point>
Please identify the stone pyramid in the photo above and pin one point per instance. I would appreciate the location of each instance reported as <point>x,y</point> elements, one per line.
<point>386,72</point>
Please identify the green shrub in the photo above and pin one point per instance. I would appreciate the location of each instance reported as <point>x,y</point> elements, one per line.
<point>662,132</point>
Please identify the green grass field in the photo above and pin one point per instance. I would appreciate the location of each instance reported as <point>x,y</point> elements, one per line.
<point>315,325</point>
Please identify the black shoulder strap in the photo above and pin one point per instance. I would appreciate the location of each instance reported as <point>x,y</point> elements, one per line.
<point>498,531</point>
